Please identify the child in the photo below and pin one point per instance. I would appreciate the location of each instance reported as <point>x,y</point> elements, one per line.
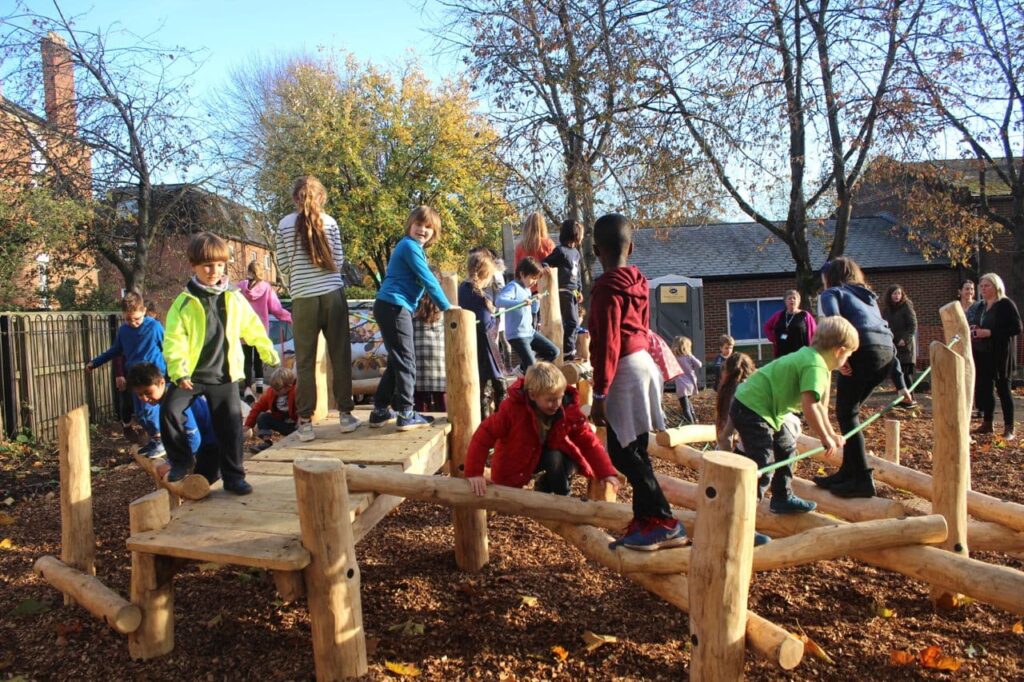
<point>206,326</point>
<point>310,254</point>
<point>538,429</point>
<point>264,301</point>
<point>686,383</point>
<point>795,381</point>
<point>428,335</point>
<point>147,382</point>
<point>276,409</point>
<point>480,271</point>
<point>140,339</point>
<point>725,347</point>
<point>519,322</point>
<point>408,275</point>
<point>735,371</point>
<point>566,259</point>
<point>627,383</point>
<point>535,241</point>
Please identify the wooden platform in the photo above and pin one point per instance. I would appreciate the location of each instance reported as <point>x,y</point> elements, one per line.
<point>262,529</point>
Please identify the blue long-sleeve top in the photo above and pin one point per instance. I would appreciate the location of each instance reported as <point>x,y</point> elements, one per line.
<point>518,322</point>
<point>408,276</point>
<point>858,305</point>
<point>144,343</point>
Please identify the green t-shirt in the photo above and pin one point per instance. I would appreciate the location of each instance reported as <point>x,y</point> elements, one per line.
<point>775,390</point>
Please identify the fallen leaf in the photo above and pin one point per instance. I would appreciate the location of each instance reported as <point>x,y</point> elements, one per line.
<point>210,566</point>
<point>933,658</point>
<point>560,653</point>
<point>594,640</point>
<point>897,657</point>
<point>30,607</point>
<point>70,628</point>
<point>6,544</point>
<point>9,501</point>
<point>882,611</point>
<point>972,651</point>
<point>821,471</point>
<point>407,628</point>
<point>812,646</point>
<point>527,600</point>
<point>1018,628</point>
<point>215,621</point>
<point>403,669</point>
<point>6,519</point>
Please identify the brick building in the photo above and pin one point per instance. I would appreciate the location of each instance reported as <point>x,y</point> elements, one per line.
<point>745,274</point>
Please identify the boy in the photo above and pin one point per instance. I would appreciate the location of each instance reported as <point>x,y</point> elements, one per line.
<point>538,429</point>
<point>725,347</point>
<point>147,383</point>
<point>206,326</point>
<point>275,410</point>
<point>795,381</point>
<point>627,383</point>
<point>140,339</point>
<point>566,259</point>
<point>525,341</point>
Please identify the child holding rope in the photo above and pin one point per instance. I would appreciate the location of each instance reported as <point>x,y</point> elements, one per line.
<point>479,273</point>
<point>524,339</point>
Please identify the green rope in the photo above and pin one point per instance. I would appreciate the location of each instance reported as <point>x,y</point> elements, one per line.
<point>863,425</point>
<point>501,311</point>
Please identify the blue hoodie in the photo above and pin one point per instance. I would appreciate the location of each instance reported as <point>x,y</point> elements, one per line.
<point>518,322</point>
<point>858,305</point>
<point>144,343</point>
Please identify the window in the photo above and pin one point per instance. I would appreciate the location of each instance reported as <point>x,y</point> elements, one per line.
<point>747,318</point>
<point>231,254</point>
<point>267,263</point>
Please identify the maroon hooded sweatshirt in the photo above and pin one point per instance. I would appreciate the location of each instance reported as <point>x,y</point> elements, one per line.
<point>618,322</point>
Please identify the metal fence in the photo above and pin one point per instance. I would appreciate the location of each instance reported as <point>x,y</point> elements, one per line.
<point>42,370</point>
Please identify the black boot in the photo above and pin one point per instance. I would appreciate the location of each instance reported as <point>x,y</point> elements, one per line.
<point>827,482</point>
<point>861,485</point>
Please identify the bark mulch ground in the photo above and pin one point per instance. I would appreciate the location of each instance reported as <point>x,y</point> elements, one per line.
<point>522,618</point>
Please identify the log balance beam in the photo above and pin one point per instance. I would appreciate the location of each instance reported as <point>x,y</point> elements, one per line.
<point>90,594</point>
<point>192,487</point>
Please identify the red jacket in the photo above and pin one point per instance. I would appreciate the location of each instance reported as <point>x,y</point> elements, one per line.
<point>266,404</point>
<point>618,322</point>
<point>514,434</point>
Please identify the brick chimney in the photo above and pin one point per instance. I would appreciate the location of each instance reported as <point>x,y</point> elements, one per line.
<point>58,82</point>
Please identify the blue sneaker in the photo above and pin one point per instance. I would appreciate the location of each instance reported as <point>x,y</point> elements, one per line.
<point>179,471</point>
<point>407,421</point>
<point>382,416</point>
<point>761,539</point>
<point>655,535</point>
<point>791,505</point>
<point>153,449</point>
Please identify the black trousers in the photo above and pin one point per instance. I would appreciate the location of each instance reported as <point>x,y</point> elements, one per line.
<point>988,376</point>
<point>765,446</point>
<point>871,365</point>
<point>253,365</point>
<point>226,413</point>
<point>397,386</point>
<point>635,464</point>
<point>688,415</point>
<point>558,469</point>
<point>570,321</point>
<point>267,423</point>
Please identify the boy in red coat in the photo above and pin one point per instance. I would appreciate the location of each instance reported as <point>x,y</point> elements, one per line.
<point>275,410</point>
<point>538,428</point>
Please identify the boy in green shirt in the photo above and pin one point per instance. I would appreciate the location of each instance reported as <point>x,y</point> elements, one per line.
<point>793,382</point>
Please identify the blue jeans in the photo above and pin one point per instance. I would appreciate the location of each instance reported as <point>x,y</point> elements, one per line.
<point>527,346</point>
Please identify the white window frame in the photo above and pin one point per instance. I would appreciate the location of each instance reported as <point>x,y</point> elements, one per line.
<point>761,340</point>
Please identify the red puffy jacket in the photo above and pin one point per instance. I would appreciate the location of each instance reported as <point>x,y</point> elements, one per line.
<point>266,403</point>
<point>515,436</point>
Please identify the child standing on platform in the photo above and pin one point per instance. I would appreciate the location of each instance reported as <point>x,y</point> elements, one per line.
<point>276,409</point>
<point>480,271</point>
<point>627,383</point>
<point>428,335</point>
<point>523,338</point>
<point>686,383</point>
<point>206,326</point>
<point>566,259</point>
<point>140,339</point>
<point>264,301</point>
<point>408,276</point>
<point>310,254</point>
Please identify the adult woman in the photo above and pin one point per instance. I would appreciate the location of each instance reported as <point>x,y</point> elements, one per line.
<point>790,329</point>
<point>965,294</point>
<point>898,311</point>
<point>994,339</point>
<point>846,294</point>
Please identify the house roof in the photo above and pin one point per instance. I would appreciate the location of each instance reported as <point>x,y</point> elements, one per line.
<point>743,250</point>
<point>21,112</point>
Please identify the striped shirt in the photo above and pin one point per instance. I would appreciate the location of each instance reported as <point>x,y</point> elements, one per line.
<point>305,280</point>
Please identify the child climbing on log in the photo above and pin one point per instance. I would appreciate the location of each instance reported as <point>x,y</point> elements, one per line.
<point>686,383</point>
<point>538,430</point>
<point>627,383</point>
<point>526,341</point>
<point>275,410</point>
<point>795,381</point>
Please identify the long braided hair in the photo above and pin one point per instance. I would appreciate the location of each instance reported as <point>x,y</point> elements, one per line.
<point>310,196</point>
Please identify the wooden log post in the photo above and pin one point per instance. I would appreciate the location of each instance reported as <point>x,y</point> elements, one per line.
<point>332,576</point>
<point>77,540</point>
<point>152,588</point>
<point>322,373</point>
<point>463,382</point>
<point>954,323</point>
<point>290,585</point>
<point>892,440</point>
<point>551,311</point>
<point>950,453</point>
<point>690,433</point>
<point>583,346</point>
<point>90,594</point>
<point>450,287</point>
<point>721,566</point>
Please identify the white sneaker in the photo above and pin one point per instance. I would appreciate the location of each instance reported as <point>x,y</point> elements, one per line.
<point>349,422</point>
<point>305,431</point>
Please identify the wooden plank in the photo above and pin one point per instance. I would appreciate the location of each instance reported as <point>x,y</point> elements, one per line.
<point>224,514</point>
<point>329,432</point>
<point>284,468</point>
<point>361,453</point>
<point>244,548</point>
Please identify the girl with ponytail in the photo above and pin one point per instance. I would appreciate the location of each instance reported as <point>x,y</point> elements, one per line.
<point>310,257</point>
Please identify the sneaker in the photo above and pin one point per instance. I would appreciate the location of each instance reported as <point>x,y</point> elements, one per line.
<point>859,486</point>
<point>827,482</point>
<point>761,539</point>
<point>407,421</point>
<point>381,417</point>
<point>153,449</point>
<point>791,505</point>
<point>657,535</point>
<point>179,471</point>
<point>262,446</point>
<point>349,422</point>
<point>305,431</point>
<point>239,487</point>
<point>634,526</point>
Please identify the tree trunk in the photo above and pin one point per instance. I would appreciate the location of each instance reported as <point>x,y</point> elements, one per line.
<point>1016,282</point>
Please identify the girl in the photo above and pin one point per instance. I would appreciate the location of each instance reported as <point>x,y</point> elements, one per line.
<point>686,383</point>
<point>480,272</point>
<point>264,301</point>
<point>408,275</point>
<point>847,294</point>
<point>310,256</point>
<point>428,337</point>
<point>525,340</point>
<point>735,371</point>
<point>535,241</point>
<point>994,340</point>
<point>898,311</point>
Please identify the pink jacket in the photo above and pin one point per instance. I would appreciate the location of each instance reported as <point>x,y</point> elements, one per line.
<point>264,301</point>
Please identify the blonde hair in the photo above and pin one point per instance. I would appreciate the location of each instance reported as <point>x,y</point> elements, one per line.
<point>309,196</point>
<point>207,247</point>
<point>996,281</point>
<point>682,345</point>
<point>833,332</point>
<point>255,272</point>
<point>425,215</point>
<point>282,376</point>
<point>726,340</point>
<point>480,269</point>
<point>535,232</point>
<point>543,378</point>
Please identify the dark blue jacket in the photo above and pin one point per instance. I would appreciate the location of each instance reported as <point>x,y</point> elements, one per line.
<point>144,343</point>
<point>859,306</point>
